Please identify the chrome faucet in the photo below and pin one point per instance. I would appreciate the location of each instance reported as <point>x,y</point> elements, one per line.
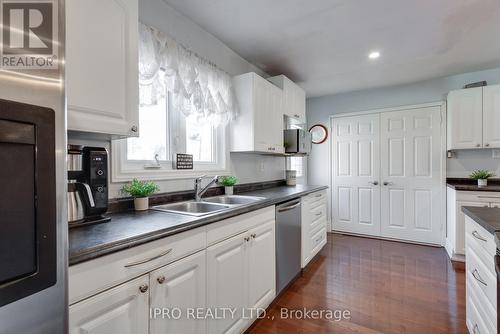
<point>198,190</point>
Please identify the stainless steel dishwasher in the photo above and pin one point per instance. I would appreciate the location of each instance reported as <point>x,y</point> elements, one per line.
<point>288,242</point>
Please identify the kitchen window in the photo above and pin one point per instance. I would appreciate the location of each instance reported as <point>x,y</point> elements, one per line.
<point>164,131</point>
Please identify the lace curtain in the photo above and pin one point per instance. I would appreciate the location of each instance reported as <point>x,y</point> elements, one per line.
<point>199,89</point>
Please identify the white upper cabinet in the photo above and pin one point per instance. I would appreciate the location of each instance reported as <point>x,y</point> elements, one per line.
<point>491,116</point>
<point>102,66</point>
<point>473,118</point>
<point>294,98</point>
<point>465,118</point>
<point>259,125</point>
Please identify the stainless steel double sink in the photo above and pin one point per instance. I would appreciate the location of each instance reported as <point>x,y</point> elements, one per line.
<point>207,205</point>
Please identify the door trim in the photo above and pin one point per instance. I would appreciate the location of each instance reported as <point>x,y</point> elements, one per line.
<point>442,106</point>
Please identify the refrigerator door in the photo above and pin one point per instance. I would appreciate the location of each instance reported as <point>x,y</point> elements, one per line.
<point>42,310</point>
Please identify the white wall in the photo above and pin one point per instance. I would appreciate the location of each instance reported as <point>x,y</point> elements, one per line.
<point>320,108</point>
<point>247,167</point>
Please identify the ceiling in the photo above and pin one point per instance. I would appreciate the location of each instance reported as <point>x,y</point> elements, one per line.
<point>324,44</point>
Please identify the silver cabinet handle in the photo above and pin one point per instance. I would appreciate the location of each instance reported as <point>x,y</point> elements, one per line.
<point>161,279</point>
<point>134,128</point>
<point>476,235</point>
<point>487,145</point>
<point>319,214</point>
<point>475,330</point>
<point>478,278</point>
<point>319,195</point>
<point>253,235</point>
<point>478,145</point>
<point>494,197</point>
<point>375,183</point>
<point>286,208</point>
<point>143,288</point>
<point>247,239</point>
<point>386,183</point>
<point>148,259</point>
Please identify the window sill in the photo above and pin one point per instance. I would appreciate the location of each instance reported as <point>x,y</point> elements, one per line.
<point>166,174</point>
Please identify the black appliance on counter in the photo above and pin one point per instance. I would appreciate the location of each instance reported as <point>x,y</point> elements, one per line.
<point>28,216</point>
<point>87,185</point>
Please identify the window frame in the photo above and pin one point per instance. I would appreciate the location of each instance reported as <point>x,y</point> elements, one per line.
<point>123,170</point>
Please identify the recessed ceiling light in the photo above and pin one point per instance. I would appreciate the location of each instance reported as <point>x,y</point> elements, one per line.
<point>374,55</point>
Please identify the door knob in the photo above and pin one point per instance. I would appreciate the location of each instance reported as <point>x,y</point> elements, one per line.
<point>143,288</point>
<point>161,279</point>
<point>487,145</point>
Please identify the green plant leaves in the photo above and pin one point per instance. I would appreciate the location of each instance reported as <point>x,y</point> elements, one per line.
<point>140,189</point>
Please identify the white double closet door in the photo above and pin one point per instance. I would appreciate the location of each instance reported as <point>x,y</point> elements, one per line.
<point>387,174</point>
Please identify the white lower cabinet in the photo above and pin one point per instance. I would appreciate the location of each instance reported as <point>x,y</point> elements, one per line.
<point>179,276</point>
<point>314,218</point>
<point>177,289</point>
<point>227,281</point>
<point>455,235</point>
<point>241,276</point>
<point>481,279</point>
<point>122,310</point>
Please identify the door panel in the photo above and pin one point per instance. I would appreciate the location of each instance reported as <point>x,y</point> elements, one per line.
<point>180,285</point>
<point>411,175</point>
<point>356,166</point>
<point>262,266</point>
<point>491,116</point>
<point>121,310</point>
<point>465,114</point>
<point>227,279</point>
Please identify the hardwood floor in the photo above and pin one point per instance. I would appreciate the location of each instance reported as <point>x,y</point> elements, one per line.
<point>388,287</point>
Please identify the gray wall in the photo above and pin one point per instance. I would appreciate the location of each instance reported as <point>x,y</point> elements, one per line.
<point>247,167</point>
<point>320,108</point>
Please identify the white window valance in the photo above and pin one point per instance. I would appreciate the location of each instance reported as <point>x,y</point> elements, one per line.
<point>199,89</point>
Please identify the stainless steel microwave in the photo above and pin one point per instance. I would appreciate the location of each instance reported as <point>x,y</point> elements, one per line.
<point>297,141</point>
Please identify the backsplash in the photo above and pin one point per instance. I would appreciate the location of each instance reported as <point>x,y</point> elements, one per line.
<point>465,161</point>
<point>246,167</point>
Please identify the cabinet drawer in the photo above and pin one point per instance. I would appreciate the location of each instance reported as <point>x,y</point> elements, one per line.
<point>317,225</point>
<point>479,239</point>
<point>316,213</point>
<point>314,197</point>
<point>318,240</point>
<point>479,196</point>
<point>475,323</point>
<point>227,228</point>
<point>482,278</point>
<point>484,308</point>
<point>91,277</point>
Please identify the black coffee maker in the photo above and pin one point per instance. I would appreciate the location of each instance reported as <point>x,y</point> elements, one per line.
<point>87,185</point>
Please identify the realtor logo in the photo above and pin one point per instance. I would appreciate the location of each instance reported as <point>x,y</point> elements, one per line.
<point>29,34</point>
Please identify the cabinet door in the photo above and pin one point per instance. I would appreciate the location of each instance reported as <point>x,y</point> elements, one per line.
<point>263,116</point>
<point>491,116</point>
<point>465,118</point>
<point>460,224</point>
<point>276,127</point>
<point>179,286</point>
<point>227,282</point>
<point>101,66</point>
<point>262,265</point>
<point>121,310</point>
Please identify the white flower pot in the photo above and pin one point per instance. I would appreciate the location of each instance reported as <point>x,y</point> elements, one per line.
<point>228,190</point>
<point>141,204</point>
<point>482,183</point>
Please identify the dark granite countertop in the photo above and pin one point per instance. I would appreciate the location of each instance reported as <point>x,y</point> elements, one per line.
<point>131,229</point>
<point>462,184</point>
<point>489,218</point>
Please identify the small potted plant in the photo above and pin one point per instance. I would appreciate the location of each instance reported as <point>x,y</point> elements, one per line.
<point>228,182</point>
<point>481,175</point>
<point>140,191</point>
